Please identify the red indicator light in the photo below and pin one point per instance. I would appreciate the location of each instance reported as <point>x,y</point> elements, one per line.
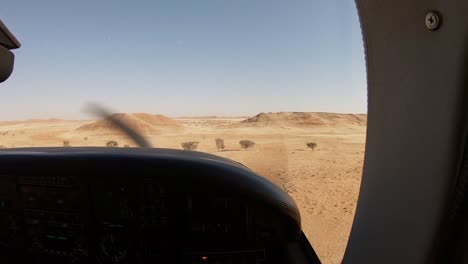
<point>204,258</point>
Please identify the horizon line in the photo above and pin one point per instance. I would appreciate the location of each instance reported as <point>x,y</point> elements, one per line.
<point>173,117</point>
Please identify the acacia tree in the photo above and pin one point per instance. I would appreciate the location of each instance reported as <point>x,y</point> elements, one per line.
<point>112,144</point>
<point>246,144</point>
<point>311,145</point>
<point>190,145</point>
<point>220,144</point>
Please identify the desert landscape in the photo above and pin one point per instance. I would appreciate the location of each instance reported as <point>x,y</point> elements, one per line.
<point>324,180</point>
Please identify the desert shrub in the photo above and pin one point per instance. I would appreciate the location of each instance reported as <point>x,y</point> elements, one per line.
<point>2,147</point>
<point>85,138</point>
<point>220,144</point>
<point>246,144</point>
<point>191,145</point>
<point>126,146</point>
<point>66,143</point>
<point>112,144</point>
<point>311,145</point>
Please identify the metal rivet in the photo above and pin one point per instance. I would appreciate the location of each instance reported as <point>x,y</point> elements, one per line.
<point>432,21</point>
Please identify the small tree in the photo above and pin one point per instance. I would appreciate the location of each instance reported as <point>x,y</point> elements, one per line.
<point>246,144</point>
<point>220,144</point>
<point>66,143</point>
<point>112,144</point>
<point>311,145</point>
<point>191,145</point>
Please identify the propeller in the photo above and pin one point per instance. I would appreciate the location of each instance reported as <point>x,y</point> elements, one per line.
<point>104,113</point>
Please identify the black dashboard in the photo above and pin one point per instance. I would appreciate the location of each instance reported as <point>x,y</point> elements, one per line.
<point>110,205</point>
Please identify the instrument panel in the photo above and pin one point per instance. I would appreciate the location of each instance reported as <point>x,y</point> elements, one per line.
<point>128,214</point>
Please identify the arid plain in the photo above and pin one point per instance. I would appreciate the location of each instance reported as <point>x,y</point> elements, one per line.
<point>324,181</point>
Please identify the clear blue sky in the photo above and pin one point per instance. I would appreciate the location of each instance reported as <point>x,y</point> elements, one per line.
<point>178,58</point>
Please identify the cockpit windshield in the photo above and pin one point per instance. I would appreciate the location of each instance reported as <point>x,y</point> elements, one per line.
<point>279,86</point>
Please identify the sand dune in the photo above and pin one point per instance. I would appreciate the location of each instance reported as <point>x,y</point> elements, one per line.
<point>211,117</point>
<point>306,119</point>
<point>142,122</point>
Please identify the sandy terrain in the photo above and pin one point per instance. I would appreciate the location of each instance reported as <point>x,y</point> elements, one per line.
<point>324,182</point>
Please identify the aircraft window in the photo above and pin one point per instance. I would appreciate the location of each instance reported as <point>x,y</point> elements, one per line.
<point>279,86</point>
